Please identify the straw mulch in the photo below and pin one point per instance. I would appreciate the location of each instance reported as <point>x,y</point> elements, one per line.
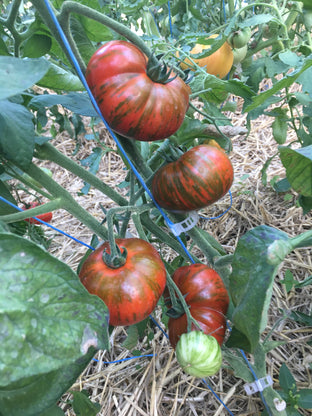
<point>156,386</point>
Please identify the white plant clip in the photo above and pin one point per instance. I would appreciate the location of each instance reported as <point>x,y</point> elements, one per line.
<point>186,224</point>
<point>258,385</point>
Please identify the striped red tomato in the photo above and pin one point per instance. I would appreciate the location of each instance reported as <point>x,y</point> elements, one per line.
<point>197,179</point>
<point>207,298</point>
<point>133,104</point>
<point>132,290</point>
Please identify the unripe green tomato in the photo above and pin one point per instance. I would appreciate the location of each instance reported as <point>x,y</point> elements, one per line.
<point>199,354</point>
<point>270,30</point>
<point>240,37</point>
<point>239,54</point>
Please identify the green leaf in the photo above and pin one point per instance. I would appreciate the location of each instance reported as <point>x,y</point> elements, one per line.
<point>5,193</point>
<point>132,337</point>
<point>280,126</point>
<point>282,186</point>
<point>256,259</point>
<point>17,134</point>
<point>305,398</point>
<point>301,318</point>
<point>79,103</point>
<point>83,406</point>
<point>58,78</point>
<point>298,165</point>
<point>288,280</point>
<point>16,75</point>
<point>85,46</point>
<point>37,45</point>
<point>53,411</point>
<point>52,321</point>
<point>238,365</point>
<point>286,379</point>
<point>286,81</point>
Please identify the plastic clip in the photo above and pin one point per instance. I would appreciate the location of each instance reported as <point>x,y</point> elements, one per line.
<point>258,385</point>
<point>186,224</point>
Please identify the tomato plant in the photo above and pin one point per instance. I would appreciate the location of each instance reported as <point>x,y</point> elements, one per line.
<point>200,177</point>
<point>136,103</point>
<point>218,63</point>
<point>207,298</point>
<point>47,217</point>
<point>199,354</point>
<point>132,290</point>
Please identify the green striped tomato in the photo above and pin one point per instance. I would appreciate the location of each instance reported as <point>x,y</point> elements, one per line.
<point>132,103</point>
<point>132,290</point>
<point>197,179</point>
<point>199,354</point>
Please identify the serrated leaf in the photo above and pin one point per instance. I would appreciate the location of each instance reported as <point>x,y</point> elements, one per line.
<point>256,259</point>
<point>298,165</point>
<point>54,324</point>
<point>286,81</point>
<point>16,75</point>
<point>17,134</point>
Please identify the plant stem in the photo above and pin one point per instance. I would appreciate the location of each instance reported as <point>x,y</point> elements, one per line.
<point>68,202</point>
<point>33,212</point>
<point>77,8</point>
<point>48,152</point>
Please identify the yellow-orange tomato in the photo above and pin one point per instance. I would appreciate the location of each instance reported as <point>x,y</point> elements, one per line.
<point>219,63</point>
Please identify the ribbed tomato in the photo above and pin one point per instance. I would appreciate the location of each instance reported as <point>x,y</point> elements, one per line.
<point>218,63</point>
<point>207,298</point>
<point>197,179</point>
<point>132,290</point>
<point>132,103</point>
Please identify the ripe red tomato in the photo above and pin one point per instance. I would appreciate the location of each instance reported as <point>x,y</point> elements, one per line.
<point>131,291</point>
<point>197,179</point>
<point>132,103</point>
<point>207,298</point>
<point>47,217</point>
<point>218,63</point>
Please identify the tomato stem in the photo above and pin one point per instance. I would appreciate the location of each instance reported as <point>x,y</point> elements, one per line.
<point>69,7</point>
<point>68,202</point>
<point>173,289</point>
<point>33,212</point>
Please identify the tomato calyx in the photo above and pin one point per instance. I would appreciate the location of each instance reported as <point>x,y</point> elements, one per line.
<point>158,71</point>
<point>116,258</point>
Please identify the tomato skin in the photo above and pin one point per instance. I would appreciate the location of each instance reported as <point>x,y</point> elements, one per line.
<point>47,216</point>
<point>199,354</point>
<point>131,291</point>
<point>218,63</point>
<point>132,104</point>
<point>200,177</point>
<point>207,297</point>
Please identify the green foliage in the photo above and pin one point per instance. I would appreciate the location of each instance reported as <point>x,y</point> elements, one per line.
<point>37,288</point>
<point>294,397</point>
